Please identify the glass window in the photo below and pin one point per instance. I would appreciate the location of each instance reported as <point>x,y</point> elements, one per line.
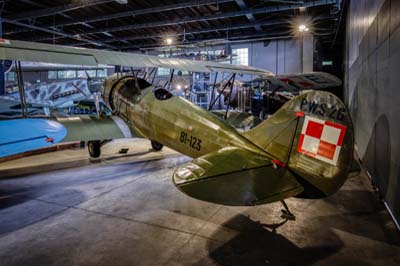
<point>52,75</point>
<point>181,72</point>
<point>161,71</point>
<point>66,74</point>
<point>101,73</point>
<point>81,74</point>
<point>10,76</point>
<point>242,56</point>
<point>91,73</point>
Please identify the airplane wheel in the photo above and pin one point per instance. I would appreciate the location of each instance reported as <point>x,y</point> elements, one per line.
<point>94,148</point>
<point>156,146</point>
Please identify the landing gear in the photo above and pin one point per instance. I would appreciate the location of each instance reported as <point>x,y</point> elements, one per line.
<point>94,148</point>
<point>156,145</point>
<point>286,214</point>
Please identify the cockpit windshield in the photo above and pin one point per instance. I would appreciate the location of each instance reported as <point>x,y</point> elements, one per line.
<point>131,90</point>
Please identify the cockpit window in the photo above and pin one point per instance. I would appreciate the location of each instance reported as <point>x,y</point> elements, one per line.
<point>162,94</point>
<point>130,88</point>
<point>143,84</point>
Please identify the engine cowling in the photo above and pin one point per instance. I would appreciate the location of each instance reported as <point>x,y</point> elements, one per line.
<point>120,91</point>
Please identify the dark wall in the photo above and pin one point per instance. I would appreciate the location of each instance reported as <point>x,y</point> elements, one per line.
<point>373,91</point>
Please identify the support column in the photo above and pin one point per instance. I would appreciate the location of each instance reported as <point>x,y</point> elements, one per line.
<point>2,79</point>
<point>307,53</point>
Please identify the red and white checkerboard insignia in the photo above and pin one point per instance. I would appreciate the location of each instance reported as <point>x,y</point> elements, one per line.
<point>321,139</point>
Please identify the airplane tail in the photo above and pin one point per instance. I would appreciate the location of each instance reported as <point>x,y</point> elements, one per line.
<point>311,135</point>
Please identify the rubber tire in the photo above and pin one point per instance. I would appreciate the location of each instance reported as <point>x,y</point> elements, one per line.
<point>94,148</point>
<point>156,145</point>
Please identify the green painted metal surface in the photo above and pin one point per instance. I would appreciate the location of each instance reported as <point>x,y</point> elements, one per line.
<point>260,166</point>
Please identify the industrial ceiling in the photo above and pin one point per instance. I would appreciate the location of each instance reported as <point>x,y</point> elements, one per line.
<point>132,25</point>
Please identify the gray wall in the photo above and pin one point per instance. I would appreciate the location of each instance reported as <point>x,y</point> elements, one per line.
<point>372,91</point>
<point>281,56</point>
<point>278,56</point>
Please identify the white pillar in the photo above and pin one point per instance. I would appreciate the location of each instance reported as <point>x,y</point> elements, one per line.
<point>307,53</point>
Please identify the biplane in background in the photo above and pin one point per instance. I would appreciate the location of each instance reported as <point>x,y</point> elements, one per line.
<point>305,149</point>
<point>270,93</point>
<point>62,92</point>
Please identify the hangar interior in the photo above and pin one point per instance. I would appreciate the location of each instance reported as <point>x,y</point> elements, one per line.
<point>84,199</point>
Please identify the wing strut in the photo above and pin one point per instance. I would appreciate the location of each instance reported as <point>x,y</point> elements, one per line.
<point>169,82</point>
<point>230,95</point>
<point>213,91</point>
<point>21,89</point>
<point>230,82</point>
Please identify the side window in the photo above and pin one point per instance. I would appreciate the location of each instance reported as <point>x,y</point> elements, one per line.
<point>162,94</point>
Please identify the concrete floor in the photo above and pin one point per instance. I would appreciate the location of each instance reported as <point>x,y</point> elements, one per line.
<point>119,212</point>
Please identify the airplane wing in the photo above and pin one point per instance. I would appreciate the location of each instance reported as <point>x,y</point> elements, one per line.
<point>20,135</point>
<point>234,176</point>
<point>47,53</point>
<point>11,108</point>
<point>310,81</point>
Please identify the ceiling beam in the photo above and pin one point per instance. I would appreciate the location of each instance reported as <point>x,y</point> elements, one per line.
<point>33,3</point>
<point>130,13</point>
<point>275,22</point>
<point>242,5</point>
<point>261,10</point>
<point>55,10</point>
<point>286,1</point>
<point>59,33</point>
<point>235,38</point>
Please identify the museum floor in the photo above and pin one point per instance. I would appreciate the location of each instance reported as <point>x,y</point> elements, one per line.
<point>126,211</point>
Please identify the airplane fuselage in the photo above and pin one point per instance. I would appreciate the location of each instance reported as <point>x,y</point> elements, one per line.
<point>186,127</point>
<point>175,122</point>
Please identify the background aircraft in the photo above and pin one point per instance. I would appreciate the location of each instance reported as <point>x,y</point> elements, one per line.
<point>270,93</point>
<point>61,93</point>
<point>57,94</point>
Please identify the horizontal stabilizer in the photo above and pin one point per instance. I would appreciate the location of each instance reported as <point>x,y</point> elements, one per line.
<point>234,176</point>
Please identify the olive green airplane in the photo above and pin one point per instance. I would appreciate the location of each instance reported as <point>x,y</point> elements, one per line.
<point>305,149</point>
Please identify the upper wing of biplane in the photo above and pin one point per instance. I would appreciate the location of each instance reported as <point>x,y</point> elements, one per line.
<point>39,52</point>
<point>309,81</point>
<point>235,176</point>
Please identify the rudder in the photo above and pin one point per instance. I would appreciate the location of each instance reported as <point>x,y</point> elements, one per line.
<point>313,135</point>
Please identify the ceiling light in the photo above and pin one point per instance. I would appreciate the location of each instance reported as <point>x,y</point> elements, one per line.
<point>303,28</point>
<point>168,41</point>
